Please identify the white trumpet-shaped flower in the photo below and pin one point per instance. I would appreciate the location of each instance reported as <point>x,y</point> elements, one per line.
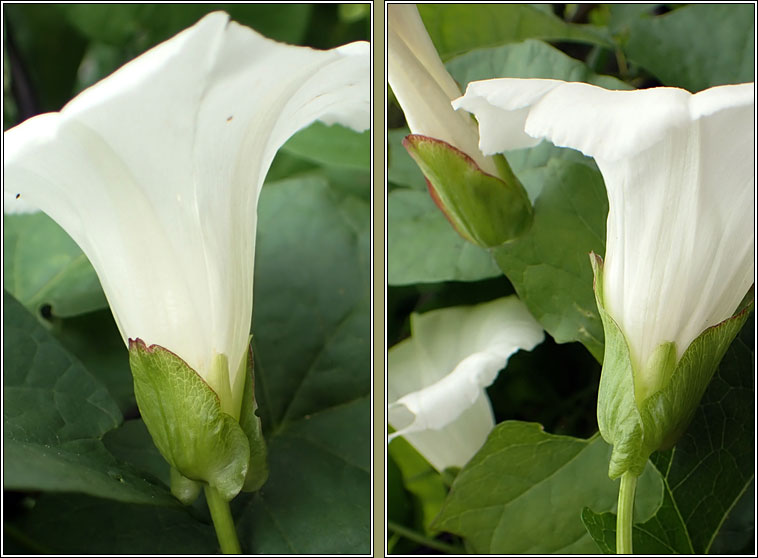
<point>436,379</point>
<point>155,172</point>
<point>423,86</point>
<point>678,170</point>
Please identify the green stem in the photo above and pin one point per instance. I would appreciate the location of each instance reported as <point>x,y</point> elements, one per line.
<point>222,521</point>
<point>412,535</point>
<point>625,513</point>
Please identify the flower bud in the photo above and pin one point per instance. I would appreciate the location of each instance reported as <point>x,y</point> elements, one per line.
<point>482,208</point>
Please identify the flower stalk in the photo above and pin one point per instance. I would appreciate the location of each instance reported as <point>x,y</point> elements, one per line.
<point>625,513</point>
<point>223,522</point>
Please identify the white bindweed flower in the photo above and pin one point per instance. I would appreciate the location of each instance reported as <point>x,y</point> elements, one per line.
<point>156,170</point>
<point>423,86</point>
<point>678,170</point>
<point>437,378</point>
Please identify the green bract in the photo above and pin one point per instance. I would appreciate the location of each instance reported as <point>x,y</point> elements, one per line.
<point>200,441</point>
<point>257,469</point>
<point>483,208</point>
<point>636,418</point>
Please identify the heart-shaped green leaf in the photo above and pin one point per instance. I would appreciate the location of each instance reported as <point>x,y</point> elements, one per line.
<point>54,416</point>
<point>525,490</point>
<point>311,342</point>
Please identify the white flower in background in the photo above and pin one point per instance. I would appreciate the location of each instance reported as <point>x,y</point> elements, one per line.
<point>679,173</point>
<point>423,86</point>
<point>156,170</point>
<point>437,378</point>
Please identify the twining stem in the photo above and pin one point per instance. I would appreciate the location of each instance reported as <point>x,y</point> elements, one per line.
<point>222,521</point>
<point>625,513</point>
<point>421,539</point>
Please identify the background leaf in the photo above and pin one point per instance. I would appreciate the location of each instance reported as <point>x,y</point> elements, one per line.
<point>621,16</point>
<point>423,246</point>
<point>549,266</point>
<point>55,414</point>
<point>131,442</point>
<point>312,370</point>
<point>398,499</point>
<point>95,340</point>
<point>153,23</point>
<point>421,481</point>
<point>317,497</point>
<point>401,169</point>
<point>44,267</point>
<point>524,491</point>
<point>456,28</point>
<point>737,533</point>
<point>40,82</point>
<point>313,243</point>
<point>671,46</point>
<point>709,470</point>
<point>528,59</point>
<point>76,524</point>
<point>332,145</point>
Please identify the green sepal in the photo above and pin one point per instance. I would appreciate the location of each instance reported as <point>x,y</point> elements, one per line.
<point>257,470</point>
<point>183,415</point>
<point>638,420</point>
<point>185,490</point>
<point>484,209</point>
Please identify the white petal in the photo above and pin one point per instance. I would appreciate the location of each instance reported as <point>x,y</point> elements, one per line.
<point>501,107</point>
<point>607,124</point>
<point>404,22</point>
<point>424,88</point>
<point>155,172</point>
<point>680,241</point>
<point>436,376</point>
<point>454,444</point>
<point>679,173</point>
<point>596,121</point>
<point>440,403</point>
<point>14,204</point>
<point>723,97</point>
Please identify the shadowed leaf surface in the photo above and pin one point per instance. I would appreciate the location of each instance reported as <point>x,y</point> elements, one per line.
<point>312,372</point>
<point>671,46</point>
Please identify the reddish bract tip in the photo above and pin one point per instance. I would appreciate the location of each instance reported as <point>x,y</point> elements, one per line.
<point>415,139</point>
<point>139,343</point>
